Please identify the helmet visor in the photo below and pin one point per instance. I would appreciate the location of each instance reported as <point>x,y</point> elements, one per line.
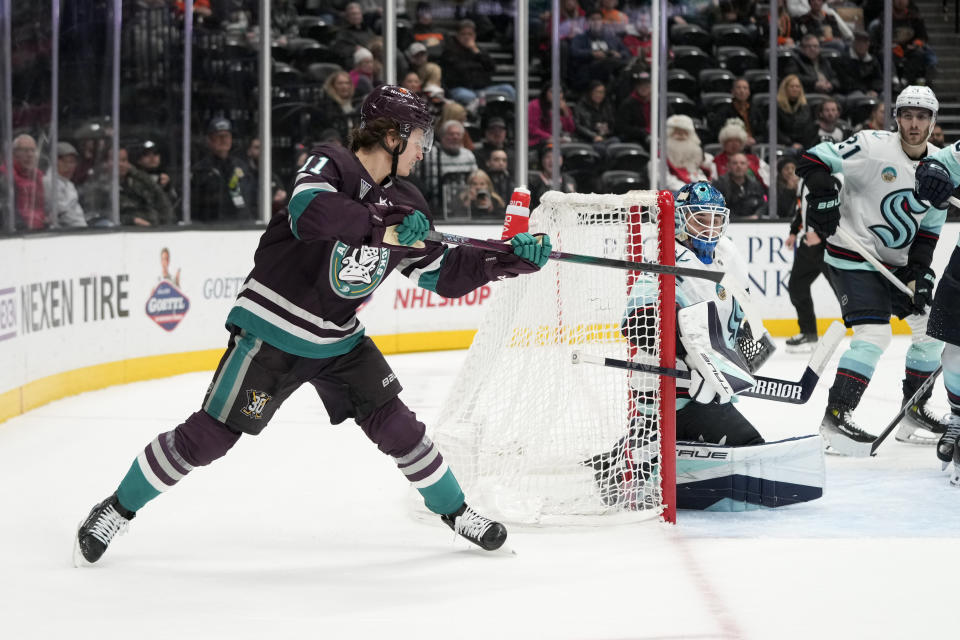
<point>422,137</point>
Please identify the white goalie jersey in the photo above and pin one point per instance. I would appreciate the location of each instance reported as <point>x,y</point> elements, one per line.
<point>690,291</point>
<point>877,202</point>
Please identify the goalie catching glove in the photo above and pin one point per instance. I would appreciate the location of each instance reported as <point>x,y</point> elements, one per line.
<point>717,372</point>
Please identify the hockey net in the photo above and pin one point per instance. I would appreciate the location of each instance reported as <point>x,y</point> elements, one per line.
<point>535,439</point>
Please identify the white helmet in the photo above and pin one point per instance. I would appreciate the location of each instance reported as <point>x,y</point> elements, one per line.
<point>920,97</point>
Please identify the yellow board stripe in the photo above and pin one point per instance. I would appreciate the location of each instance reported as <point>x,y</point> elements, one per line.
<point>39,392</point>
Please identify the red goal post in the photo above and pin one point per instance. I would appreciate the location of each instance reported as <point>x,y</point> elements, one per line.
<point>533,438</point>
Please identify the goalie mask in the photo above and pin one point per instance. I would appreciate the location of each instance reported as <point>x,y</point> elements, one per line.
<point>701,218</point>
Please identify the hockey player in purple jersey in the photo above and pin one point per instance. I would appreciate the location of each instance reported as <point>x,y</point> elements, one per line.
<point>350,222</point>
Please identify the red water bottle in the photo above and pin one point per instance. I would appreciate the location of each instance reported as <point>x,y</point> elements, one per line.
<point>517,219</point>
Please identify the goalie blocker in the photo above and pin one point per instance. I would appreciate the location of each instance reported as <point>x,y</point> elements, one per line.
<point>712,477</point>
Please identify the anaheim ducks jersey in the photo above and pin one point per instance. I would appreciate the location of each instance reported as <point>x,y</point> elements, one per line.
<point>315,266</point>
<point>690,291</point>
<point>877,202</point>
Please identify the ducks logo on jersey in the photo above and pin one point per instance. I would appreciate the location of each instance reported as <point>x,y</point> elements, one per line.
<point>356,271</point>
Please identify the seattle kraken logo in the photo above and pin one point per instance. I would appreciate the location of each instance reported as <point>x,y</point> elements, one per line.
<point>898,209</point>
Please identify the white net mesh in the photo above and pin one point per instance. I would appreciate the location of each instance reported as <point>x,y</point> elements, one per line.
<point>532,437</point>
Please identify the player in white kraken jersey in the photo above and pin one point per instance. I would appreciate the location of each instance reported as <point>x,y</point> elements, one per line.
<point>937,176</point>
<point>717,346</point>
<point>880,209</point>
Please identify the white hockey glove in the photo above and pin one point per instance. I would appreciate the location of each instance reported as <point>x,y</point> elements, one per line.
<point>717,372</point>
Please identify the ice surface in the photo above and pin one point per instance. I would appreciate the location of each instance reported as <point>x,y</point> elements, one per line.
<point>306,532</point>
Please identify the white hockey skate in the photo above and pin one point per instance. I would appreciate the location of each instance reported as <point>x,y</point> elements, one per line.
<point>921,426</point>
<point>843,436</point>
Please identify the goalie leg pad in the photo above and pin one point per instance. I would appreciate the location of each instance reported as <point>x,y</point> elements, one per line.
<point>775,474</point>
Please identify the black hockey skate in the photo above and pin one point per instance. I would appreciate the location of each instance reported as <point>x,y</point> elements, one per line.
<point>802,343</point>
<point>843,436</point>
<point>920,426</point>
<point>483,532</point>
<point>106,520</point>
<point>948,445</point>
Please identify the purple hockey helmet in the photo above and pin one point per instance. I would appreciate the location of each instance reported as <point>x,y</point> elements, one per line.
<point>404,107</point>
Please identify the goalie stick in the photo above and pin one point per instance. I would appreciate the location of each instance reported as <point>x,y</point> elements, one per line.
<point>774,389</point>
<point>922,389</point>
<point>722,278</point>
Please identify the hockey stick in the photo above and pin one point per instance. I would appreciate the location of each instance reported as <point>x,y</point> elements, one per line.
<point>774,389</point>
<point>879,266</point>
<point>724,279</point>
<point>922,389</point>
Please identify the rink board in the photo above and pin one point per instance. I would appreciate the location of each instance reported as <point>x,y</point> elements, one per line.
<point>81,312</point>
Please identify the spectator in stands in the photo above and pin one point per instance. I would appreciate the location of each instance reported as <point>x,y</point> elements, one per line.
<point>468,69</point>
<point>427,33</point>
<point>746,198</point>
<point>147,159</point>
<point>449,165</point>
<point>596,54</point>
<point>353,35</point>
<point>733,139</point>
<point>821,24</point>
<point>63,207</point>
<point>412,83</point>
<point>594,116</point>
<point>336,105</point>
<point>221,189</point>
<point>632,122</point>
<point>572,20</point>
<point>784,25</point>
<point>874,121</point>
<point>742,109</point>
<point>798,8</point>
<point>829,126</point>
<point>795,124</point>
<point>481,199</point>
<point>429,72</point>
<point>612,16</point>
<point>494,139</point>
<point>454,111</point>
<point>686,161</point>
<point>142,202</point>
<point>540,117</point>
<point>279,194</point>
<point>28,184</point>
<point>914,59</point>
<point>858,71</point>
<point>815,72</point>
<point>499,173</point>
<point>787,184</point>
<point>540,181</point>
<point>362,73</point>
<point>936,136</point>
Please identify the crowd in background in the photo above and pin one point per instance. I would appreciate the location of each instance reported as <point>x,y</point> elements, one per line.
<point>329,54</point>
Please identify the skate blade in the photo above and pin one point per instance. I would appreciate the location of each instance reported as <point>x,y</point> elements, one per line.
<point>912,435</point>
<point>801,348</point>
<point>845,447</point>
<point>78,560</point>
